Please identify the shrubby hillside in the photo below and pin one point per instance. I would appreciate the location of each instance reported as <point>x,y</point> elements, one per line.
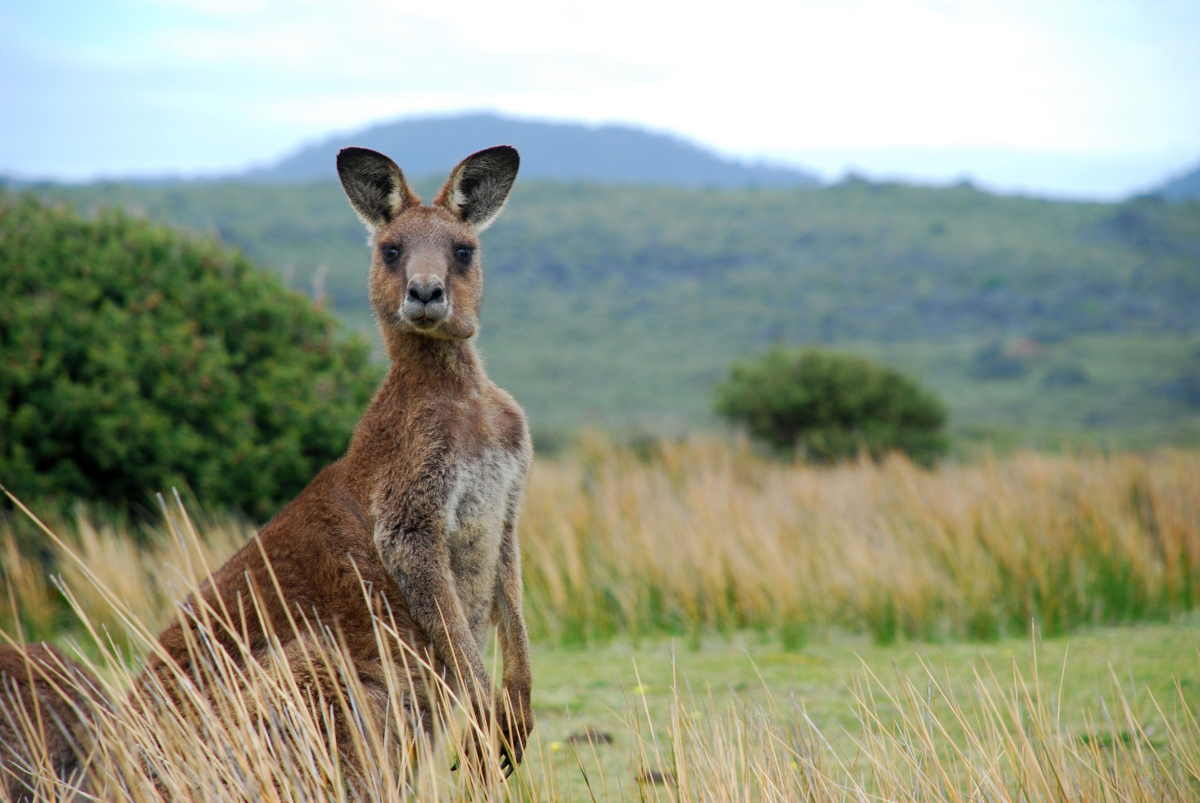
<point>624,305</point>
<point>134,358</point>
<point>1184,187</point>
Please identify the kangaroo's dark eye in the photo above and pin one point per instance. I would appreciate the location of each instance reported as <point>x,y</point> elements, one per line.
<point>463,254</point>
<point>390,254</point>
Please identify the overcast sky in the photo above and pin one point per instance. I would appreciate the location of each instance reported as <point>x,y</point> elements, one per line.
<point>1095,98</point>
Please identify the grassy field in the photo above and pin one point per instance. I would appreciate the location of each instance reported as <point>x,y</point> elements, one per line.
<point>853,719</point>
<point>710,625</point>
<point>703,534</point>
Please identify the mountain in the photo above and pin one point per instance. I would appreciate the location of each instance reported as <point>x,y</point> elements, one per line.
<point>549,150</point>
<point>1184,187</point>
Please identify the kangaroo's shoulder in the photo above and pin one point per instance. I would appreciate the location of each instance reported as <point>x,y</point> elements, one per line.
<point>510,428</point>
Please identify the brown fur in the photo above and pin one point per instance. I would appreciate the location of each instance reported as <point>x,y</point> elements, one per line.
<point>423,506</point>
<point>43,689</point>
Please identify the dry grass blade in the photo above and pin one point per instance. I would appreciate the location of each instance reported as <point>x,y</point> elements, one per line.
<point>704,536</point>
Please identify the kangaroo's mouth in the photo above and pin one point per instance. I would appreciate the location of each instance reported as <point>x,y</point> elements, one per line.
<point>424,315</point>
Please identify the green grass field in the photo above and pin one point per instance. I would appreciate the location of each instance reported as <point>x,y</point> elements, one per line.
<point>620,691</point>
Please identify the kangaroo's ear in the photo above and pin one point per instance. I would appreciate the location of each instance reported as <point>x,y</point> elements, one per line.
<point>374,184</point>
<point>478,187</point>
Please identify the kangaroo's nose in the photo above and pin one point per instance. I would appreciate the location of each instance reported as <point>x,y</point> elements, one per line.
<point>426,289</point>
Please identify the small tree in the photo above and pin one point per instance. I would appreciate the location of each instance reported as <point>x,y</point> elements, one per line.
<point>828,406</point>
<point>134,358</point>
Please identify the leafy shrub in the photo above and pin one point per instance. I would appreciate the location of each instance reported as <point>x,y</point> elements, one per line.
<point>829,406</point>
<point>134,358</point>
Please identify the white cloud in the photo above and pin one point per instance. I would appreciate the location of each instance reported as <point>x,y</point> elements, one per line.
<point>763,76</point>
<point>757,77</point>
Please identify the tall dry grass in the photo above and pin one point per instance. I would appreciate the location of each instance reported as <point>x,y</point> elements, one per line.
<point>701,534</point>
<point>915,742</point>
<point>705,534</point>
<point>95,554</point>
<point>234,727</point>
<point>252,730</point>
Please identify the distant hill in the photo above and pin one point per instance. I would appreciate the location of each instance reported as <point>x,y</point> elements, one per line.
<point>1185,187</point>
<point>549,150</point>
<point>622,306</point>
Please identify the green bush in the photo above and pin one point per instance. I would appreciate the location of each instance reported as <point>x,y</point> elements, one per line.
<point>828,406</point>
<point>134,358</point>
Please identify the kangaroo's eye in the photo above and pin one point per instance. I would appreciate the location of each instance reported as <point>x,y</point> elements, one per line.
<point>390,254</point>
<point>463,254</point>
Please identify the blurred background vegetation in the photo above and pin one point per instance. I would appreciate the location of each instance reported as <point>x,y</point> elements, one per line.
<point>621,305</point>
<point>137,357</point>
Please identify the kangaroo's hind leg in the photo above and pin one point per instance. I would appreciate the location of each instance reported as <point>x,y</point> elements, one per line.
<point>46,706</point>
<point>375,726</point>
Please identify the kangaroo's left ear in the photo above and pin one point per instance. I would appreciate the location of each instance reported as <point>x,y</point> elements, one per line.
<point>479,186</point>
<point>375,186</point>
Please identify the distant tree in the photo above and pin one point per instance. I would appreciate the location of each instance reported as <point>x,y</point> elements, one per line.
<point>134,358</point>
<point>826,406</point>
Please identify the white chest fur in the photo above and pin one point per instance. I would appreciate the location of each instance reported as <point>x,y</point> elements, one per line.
<point>481,491</point>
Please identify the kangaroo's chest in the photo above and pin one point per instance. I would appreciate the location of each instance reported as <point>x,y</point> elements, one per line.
<point>482,488</point>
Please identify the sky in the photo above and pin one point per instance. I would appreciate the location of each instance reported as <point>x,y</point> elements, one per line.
<point>1092,99</point>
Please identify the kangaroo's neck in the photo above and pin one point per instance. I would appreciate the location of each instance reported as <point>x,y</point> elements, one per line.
<point>434,365</point>
<point>426,373</point>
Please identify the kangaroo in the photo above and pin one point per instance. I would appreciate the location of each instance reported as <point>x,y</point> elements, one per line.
<point>423,506</point>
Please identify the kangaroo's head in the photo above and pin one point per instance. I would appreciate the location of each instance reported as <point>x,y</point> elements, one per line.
<point>426,273</point>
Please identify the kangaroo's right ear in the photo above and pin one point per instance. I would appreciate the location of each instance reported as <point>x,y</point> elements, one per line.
<point>374,184</point>
<point>479,185</point>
